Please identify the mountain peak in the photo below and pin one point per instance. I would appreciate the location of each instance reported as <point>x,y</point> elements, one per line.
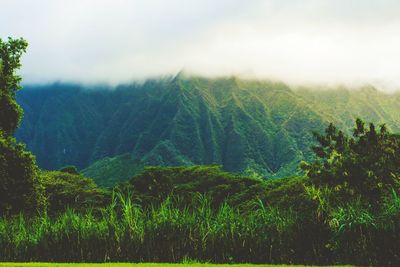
<point>182,74</point>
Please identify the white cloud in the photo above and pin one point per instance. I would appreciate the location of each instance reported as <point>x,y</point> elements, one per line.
<point>119,40</point>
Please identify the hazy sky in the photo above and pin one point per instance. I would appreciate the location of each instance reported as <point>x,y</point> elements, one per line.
<point>295,41</point>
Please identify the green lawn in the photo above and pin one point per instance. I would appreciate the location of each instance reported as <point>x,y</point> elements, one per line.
<point>39,264</point>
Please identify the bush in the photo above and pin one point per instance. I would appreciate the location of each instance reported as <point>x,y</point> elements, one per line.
<point>67,190</point>
<point>21,188</point>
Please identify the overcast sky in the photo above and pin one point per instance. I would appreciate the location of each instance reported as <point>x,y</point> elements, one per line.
<point>295,41</point>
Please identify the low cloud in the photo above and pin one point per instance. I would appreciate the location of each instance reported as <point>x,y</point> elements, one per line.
<point>350,42</point>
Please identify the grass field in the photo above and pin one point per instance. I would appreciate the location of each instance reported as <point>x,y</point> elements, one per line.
<point>41,264</point>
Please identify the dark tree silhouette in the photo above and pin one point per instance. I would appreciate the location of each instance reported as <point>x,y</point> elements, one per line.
<point>368,163</point>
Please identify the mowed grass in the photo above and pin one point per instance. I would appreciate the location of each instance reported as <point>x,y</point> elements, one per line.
<point>42,264</point>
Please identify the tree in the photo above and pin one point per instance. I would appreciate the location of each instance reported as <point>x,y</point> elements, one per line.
<point>71,190</point>
<point>20,185</point>
<point>70,169</point>
<point>366,164</point>
<point>10,55</point>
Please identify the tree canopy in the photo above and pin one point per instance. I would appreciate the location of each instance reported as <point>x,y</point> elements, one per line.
<point>10,61</point>
<point>21,188</point>
<point>366,164</point>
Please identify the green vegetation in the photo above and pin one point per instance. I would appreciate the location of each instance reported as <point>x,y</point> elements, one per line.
<point>168,214</point>
<point>108,172</point>
<point>366,164</point>
<point>164,233</point>
<point>21,188</point>
<point>256,128</point>
<point>156,184</point>
<point>67,190</point>
<point>43,264</point>
<point>10,57</point>
<point>344,209</point>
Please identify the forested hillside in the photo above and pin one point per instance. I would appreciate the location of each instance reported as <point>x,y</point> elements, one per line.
<point>258,128</point>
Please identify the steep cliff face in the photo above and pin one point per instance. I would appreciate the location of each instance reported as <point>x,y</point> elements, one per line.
<point>254,127</point>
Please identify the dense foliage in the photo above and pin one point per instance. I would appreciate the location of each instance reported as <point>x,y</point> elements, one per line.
<point>10,61</point>
<point>163,233</point>
<point>169,233</point>
<point>257,128</point>
<point>168,214</point>
<point>366,164</point>
<point>20,186</point>
<point>109,172</point>
<point>64,190</point>
<point>345,209</point>
<point>155,184</point>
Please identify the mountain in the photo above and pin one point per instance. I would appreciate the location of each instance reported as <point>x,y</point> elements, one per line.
<point>258,128</point>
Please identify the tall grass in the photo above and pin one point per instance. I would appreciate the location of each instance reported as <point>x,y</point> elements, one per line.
<point>172,232</point>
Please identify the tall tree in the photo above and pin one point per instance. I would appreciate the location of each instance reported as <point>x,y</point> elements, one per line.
<point>10,61</point>
<point>20,185</point>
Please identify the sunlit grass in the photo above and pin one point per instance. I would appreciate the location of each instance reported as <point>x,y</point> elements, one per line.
<point>41,264</point>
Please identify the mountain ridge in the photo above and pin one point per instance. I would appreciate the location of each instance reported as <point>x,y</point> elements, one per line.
<point>257,128</point>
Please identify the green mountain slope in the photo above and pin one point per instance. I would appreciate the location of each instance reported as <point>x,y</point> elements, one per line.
<point>107,172</point>
<point>258,128</point>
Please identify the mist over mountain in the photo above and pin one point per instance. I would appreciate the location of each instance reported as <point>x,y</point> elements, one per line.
<point>259,128</point>
<point>294,41</point>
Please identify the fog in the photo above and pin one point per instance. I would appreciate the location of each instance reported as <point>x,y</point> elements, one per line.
<point>116,41</point>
